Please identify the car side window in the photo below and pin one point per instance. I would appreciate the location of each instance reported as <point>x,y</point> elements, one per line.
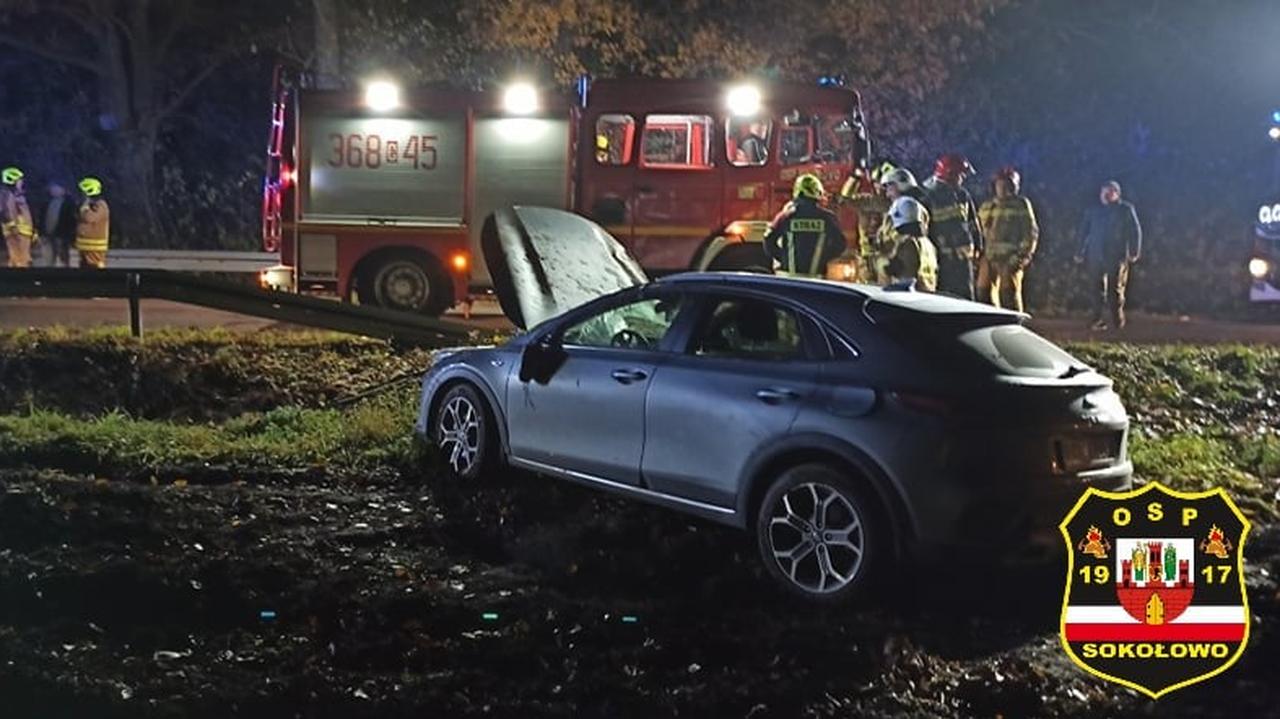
<point>636,325</point>
<point>748,328</point>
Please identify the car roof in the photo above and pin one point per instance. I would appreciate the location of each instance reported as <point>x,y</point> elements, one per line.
<point>924,302</point>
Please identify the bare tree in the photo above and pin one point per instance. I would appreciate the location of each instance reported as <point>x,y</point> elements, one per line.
<point>147,58</point>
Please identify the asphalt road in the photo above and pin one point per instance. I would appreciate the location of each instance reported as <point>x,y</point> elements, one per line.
<point>1142,328</point>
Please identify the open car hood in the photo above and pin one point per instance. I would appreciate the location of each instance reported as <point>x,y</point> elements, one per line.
<point>546,261</point>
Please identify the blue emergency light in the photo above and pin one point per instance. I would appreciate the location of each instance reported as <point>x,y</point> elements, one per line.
<point>583,87</point>
<point>1275,116</point>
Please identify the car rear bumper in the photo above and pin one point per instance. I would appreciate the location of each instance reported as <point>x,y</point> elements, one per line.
<point>1020,522</point>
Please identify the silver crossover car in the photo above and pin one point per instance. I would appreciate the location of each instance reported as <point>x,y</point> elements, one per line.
<point>848,427</point>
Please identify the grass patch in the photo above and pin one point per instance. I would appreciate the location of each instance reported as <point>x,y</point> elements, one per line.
<point>1243,466</point>
<point>368,437</point>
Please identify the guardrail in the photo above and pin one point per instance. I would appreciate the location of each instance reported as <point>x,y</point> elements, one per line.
<point>187,260</point>
<point>136,285</point>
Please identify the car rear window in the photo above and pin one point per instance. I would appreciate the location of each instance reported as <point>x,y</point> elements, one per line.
<point>1016,350</point>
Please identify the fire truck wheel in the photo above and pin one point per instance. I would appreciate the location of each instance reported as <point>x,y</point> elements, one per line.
<point>819,534</point>
<point>465,433</point>
<point>411,282</point>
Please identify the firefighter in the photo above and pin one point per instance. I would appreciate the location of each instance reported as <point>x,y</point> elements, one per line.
<point>864,191</point>
<point>898,182</point>
<point>914,257</point>
<point>1010,231</point>
<point>94,228</point>
<point>805,236</point>
<point>15,218</point>
<point>953,224</point>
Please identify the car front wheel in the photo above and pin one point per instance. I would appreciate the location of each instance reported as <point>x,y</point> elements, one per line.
<point>817,534</point>
<point>465,433</point>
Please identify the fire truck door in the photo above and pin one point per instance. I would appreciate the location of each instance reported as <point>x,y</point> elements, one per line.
<point>677,191</point>
<point>518,161</point>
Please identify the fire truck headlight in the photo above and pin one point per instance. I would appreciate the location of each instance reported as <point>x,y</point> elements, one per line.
<point>520,98</point>
<point>743,100</point>
<point>382,95</point>
<point>1259,268</point>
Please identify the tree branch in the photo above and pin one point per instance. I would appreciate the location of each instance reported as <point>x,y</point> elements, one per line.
<point>48,52</point>
<point>211,66</point>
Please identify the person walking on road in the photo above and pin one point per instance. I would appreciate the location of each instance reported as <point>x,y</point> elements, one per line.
<point>94,227</point>
<point>58,220</point>
<point>1110,242</point>
<point>953,224</point>
<point>1010,231</point>
<point>15,218</point>
<point>805,236</point>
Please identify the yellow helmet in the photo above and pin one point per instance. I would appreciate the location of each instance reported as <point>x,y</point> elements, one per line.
<point>91,186</point>
<point>10,175</point>
<point>808,185</point>
<point>882,170</point>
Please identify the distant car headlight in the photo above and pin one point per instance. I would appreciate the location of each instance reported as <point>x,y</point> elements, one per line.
<point>1259,268</point>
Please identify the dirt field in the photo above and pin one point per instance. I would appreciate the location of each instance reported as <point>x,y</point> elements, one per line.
<point>523,598</point>
<point>164,589</point>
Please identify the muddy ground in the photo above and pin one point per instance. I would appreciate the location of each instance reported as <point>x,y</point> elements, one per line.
<point>522,597</point>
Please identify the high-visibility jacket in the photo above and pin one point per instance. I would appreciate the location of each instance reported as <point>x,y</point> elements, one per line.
<point>872,209</point>
<point>953,220</point>
<point>15,215</point>
<point>94,227</point>
<point>1009,228</point>
<point>804,237</point>
<point>915,258</point>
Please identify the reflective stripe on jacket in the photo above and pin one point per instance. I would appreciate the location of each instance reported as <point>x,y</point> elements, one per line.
<point>916,258</point>
<point>1009,227</point>
<point>94,227</point>
<point>804,237</point>
<point>953,219</point>
<point>15,215</point>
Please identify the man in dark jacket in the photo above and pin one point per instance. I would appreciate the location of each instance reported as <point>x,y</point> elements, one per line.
<point>1110,241</point>
<point>805,236</point>
<point>57,222</point>
<point>953,224</point>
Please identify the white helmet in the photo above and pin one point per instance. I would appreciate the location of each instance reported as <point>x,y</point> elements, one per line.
<point>900,179</point>
<point>906,210</point>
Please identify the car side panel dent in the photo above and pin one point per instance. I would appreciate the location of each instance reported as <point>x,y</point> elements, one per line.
<point>754,480</point>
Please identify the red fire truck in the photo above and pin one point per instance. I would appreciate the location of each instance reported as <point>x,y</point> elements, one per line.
<point>380,198</point>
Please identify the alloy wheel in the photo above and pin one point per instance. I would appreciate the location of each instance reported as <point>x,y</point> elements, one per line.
<point>459,433</point>
<point>816,537</point>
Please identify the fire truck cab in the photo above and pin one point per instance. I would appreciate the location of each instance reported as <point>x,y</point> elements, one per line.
<point>380,198</point>
<point>688,173</point>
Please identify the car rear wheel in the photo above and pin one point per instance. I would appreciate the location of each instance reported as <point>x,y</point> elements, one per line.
<point>818,534</point>
<point>464,431</point>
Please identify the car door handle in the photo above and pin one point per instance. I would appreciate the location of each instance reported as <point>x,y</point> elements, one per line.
<point>627,376</point>
<point>645,190</point>
<point>776,395</point>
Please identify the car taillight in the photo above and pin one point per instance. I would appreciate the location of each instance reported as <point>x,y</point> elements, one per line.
<point>924,403</point>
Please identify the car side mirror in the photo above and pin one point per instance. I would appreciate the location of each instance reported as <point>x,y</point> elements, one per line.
<point>541,358</point>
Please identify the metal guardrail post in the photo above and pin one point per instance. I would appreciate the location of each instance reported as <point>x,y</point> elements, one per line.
<point>134,282</point>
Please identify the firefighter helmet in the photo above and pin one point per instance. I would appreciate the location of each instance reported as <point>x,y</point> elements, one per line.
<point>91,186</point>
<point>951,166</point>
<point>906,210</point>
<point>879,172</point>
<point>901,179</point>
<point>10,175</point>
<point>808,185</point>
<point>1010,173</point>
